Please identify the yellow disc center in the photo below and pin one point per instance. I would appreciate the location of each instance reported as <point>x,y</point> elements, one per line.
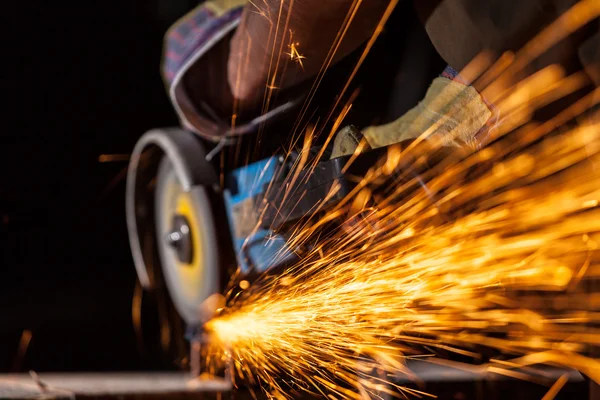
<point>190,274</point>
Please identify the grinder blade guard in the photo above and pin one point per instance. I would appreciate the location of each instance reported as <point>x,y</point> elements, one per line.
<point>174,207</point>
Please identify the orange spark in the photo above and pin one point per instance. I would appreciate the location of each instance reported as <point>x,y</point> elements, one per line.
<point>294,53</point>
<point>485,249</point>
<point>26,336</point>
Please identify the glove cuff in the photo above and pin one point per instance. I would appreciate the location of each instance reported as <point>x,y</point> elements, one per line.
<point>451,111</point>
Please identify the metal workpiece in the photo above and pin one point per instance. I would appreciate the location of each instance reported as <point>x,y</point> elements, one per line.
<point>446,382</point>
<point>53,386</point>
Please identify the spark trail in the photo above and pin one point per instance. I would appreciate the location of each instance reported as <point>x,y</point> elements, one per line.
<point>492,249</point>
<point>446,269</point>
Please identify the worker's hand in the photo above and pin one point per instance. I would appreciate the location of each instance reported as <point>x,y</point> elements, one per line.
<point>263,50</point>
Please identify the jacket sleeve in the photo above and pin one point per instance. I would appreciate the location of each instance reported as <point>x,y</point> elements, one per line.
<point>461,29</point>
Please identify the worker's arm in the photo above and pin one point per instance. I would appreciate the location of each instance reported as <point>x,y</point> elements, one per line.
<point>261,46</point>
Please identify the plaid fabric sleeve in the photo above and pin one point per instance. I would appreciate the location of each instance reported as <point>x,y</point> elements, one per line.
<point>190,33</point>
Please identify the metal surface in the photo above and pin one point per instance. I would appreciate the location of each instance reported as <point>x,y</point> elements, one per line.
<point>191,273</point>
<point>107,385</point>
<point>444,382</point>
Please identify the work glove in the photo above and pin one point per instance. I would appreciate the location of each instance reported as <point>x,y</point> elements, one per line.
<point>451,111</point>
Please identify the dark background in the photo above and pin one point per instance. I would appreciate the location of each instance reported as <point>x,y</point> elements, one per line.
<point>80,79</point>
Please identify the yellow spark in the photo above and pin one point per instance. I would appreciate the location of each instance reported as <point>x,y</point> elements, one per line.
<point>370,299</point>
<point>136,315</point>
<point>244,284</point>
<point>26,336</point>
<point>485,248</point>
<point>104,158</point>
<point>294,53</point>
<point>555,388</point>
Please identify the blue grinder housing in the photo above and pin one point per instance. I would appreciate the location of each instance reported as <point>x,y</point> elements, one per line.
<point>257,248</point>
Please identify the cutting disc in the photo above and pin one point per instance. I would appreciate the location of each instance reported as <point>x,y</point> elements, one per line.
<point>187,244</point>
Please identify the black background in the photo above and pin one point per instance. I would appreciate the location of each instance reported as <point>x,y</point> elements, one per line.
<point>80,79</point>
